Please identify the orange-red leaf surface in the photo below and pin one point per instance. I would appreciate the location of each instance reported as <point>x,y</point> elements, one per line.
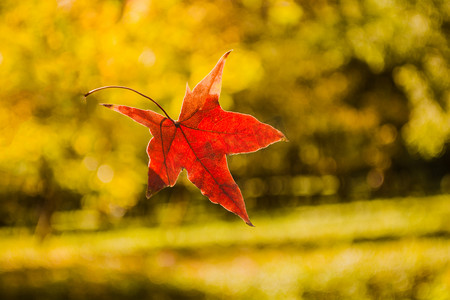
<point>199,142</point>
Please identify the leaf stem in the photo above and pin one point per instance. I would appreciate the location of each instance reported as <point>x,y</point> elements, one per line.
<point>130,89</point>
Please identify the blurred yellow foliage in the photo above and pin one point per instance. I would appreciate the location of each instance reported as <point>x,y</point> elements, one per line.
<point>359,87</point>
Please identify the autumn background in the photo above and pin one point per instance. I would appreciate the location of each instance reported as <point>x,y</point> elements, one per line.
<point>355,206</point>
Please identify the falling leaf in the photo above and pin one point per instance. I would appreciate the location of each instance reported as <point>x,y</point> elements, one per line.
<point>200,140</point>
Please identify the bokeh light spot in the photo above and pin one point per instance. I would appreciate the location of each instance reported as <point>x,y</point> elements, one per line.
<point>387,134</point>
<point>375,178</point>
<point>105,173</point>
<point>147,57</point>
<point>90,163</point>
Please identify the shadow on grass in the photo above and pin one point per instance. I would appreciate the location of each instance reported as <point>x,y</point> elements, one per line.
<point>72,284</point>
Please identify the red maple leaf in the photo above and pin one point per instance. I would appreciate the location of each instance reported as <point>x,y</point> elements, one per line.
<point>199,142</point>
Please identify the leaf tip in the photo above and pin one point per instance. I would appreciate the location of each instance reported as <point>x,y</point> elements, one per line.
<point>227,53</point>
<point>150,192</point>
<point>249,223</point>
<point>107,105</point>
<point>188,89</point>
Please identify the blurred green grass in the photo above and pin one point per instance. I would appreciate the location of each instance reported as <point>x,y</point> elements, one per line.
<point>383,249</point>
